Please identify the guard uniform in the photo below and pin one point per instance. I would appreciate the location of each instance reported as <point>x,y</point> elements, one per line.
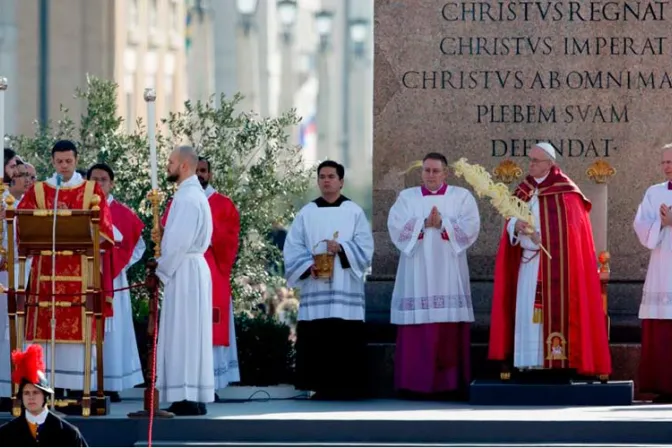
<point>45,428</point>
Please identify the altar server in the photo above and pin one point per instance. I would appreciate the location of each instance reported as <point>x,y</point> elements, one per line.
<point>330,346</point>
<point>653,225</point>
<point>186,374</point>
<point>433,226</point>
<point>123,369</point>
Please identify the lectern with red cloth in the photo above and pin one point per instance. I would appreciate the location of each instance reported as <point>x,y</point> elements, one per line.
<point>77,234</point>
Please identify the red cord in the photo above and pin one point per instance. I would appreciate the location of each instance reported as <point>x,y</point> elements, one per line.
<point>153,377</point>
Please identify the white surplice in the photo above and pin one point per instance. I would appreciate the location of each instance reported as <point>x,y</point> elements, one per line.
<point>657,295</point>
<point>432,283</point>
<point>185,368</point>
<point>528,338</point>
<point>225,359</point>
<point>5,349</point>
<point>122,366</point>
<point>342,297</point>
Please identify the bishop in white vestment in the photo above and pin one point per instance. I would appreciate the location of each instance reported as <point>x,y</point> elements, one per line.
<point>185,372</point>
<point>330,345</point>
<point>653,225</point>
<point>433,226</point>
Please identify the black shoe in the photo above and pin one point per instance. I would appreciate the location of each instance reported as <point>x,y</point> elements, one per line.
<point>202,409</point>
<point>185,408</point>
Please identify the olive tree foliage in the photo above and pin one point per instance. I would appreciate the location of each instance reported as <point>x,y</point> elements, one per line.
<point>252,162</point>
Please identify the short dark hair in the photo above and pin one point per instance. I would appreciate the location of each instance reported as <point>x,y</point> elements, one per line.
<point>9,155</point>
<point>19,161</point>
<point>436,156</point>
<point>100,166</point>
<point>340,170</point>
<point>64,146</point>
<point>203,159</point>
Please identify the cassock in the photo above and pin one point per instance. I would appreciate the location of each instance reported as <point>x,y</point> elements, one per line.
<point>655,369</point>
<point>123,369</point>
<point>221,255</point>
<point>71,278</point>
<point>330,344</point>
<point>548,313</point>
<point>5,365</point>
<point>431,302</point>
<point>45,429</point>
<point>185,368</point>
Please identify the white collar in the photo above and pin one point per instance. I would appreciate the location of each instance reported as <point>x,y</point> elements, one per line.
<point>76,179</point>
<point>37,419</point>
<point>189,181</point>
<point>209,190</point>
<point>541,179</point>
<point>110,198</point>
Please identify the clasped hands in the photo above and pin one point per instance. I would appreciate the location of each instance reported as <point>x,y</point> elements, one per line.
<point>665,215</point>
<point>523,228</point>
<point>434,219</point>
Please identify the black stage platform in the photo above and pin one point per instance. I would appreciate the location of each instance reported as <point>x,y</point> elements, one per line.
<point>499,393</point>
<point>384,422</point>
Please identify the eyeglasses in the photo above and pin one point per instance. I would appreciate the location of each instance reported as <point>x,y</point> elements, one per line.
<point>535,161</point>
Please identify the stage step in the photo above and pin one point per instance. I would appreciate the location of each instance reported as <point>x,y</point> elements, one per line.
<point>499,393</point>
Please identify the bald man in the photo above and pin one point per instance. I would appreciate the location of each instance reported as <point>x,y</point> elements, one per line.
<point>653,226</point>
<point>185,374</point>
<point>547,312</point>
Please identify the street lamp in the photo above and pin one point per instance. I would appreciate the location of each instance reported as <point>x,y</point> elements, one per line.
<point>287,10</point>
<point>247,9</point>
<point>324,21</point>
<point>359,30</point>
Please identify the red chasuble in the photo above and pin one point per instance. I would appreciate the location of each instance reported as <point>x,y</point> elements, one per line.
<point>70,271</point>
<point>220,256</point>
<point>131,227</point>
<point>574,324</point>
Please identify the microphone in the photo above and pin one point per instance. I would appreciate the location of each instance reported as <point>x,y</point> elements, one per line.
<point>59,181</point>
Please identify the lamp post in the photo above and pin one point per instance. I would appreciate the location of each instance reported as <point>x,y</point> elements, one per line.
<point>247,9</point>
<point>323,25</point>
<point>287,12</point>
<point>247,56</point>
<point>359,29</point>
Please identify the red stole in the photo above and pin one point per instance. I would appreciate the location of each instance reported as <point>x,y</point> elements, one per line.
<point>70,270</point>
<point>220,256</point>
<point>574,328</point>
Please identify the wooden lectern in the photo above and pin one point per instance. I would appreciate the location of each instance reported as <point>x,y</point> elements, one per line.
<point>77,233</point>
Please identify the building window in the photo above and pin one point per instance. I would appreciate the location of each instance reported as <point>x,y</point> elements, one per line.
<point>168,90</point>
<point>173,18</point>
<point>129,89</point>
<point>153,14</point>
<point>133,13</point>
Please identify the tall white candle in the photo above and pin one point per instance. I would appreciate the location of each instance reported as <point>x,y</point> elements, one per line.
<point>150,98</point>
<point>3,89</point>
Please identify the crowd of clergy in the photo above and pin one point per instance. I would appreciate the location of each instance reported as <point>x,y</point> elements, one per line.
<point>547,318</point>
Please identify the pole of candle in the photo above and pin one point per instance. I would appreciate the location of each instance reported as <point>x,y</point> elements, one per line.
<point>150,99</point>
<point>3,89</point>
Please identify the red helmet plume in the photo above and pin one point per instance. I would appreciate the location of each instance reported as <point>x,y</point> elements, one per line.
<point>28,365</point>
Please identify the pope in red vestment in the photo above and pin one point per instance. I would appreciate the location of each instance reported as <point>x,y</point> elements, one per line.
<point>567,302</point>
<point>220,256</point>
<point>70,270</point>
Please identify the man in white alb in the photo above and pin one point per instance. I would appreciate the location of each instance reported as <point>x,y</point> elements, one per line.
<point>653,225</point>
<point>433,226</point>
<point>185,372</point>
<point>330,345</point>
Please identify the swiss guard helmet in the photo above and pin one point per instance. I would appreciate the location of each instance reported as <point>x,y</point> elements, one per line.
<point>29,369</point>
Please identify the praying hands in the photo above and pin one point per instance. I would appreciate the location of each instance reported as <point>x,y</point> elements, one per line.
<point>665,216</point>
<point>434,219</point>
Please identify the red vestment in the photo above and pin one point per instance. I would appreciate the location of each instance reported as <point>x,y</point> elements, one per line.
<point>220,256</point>
<point>131,227</point>
<point>574,324</point>
<point>70,270</point>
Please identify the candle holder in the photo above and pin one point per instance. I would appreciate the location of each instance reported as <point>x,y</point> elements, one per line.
<point>154,197</point>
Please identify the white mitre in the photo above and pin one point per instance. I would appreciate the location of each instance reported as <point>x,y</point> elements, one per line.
<point>547,148</point>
